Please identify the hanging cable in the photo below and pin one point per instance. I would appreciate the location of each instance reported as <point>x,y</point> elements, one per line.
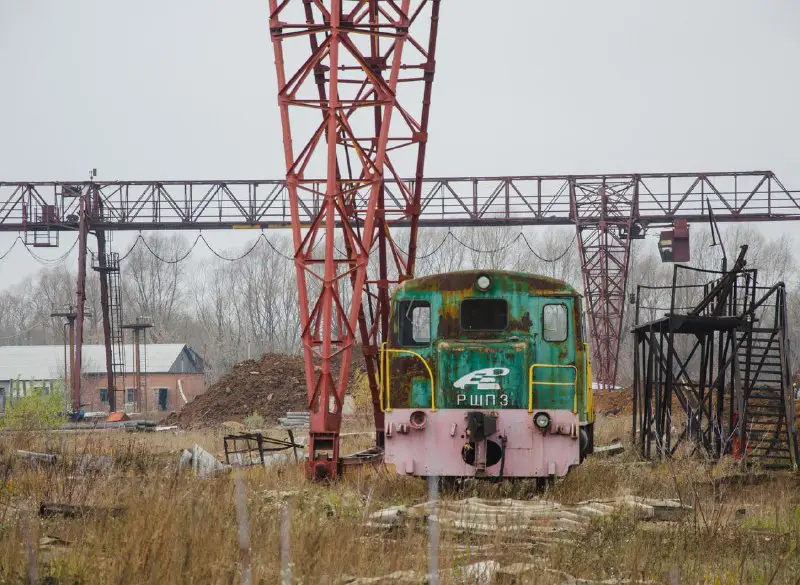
<point>221,257</point>
<point>177,260</point>
<point>479,251</point>
<point>132,248</point>
<point>274,249</point>
<point>240,257</point>
<point>53,261</point>
<point>201,238</point>
<point>13,245</point>
<point>557,258</point>
<point>437,248</point>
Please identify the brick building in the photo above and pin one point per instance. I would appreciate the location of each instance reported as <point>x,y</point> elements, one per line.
<point>172,375</point>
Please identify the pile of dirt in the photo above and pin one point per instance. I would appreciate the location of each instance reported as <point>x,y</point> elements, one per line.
<point>613,402</point>
<point>270,386</point>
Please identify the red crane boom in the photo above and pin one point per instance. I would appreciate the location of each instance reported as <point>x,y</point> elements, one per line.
<point>369,78</point>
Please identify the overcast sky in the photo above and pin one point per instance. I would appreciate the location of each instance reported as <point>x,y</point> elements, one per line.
<point>185,89</point>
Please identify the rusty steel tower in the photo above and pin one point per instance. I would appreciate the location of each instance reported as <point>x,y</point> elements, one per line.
<point>366,81</point>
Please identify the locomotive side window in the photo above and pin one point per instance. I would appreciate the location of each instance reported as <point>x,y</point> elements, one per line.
<point>484,314</point>
<point>415,323</point>
<point>554,322</point>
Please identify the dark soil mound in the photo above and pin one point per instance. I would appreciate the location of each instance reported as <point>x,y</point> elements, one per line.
<point>270,386</point>
<point>613,402</point>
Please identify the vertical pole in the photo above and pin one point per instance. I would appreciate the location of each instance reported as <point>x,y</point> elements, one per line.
<point>101,256</point>
<point>83,232</point>
<point>433,531</point>
<point>70,393</point>
<point>636,381</point>
<point>286,564</point>
<point>244,528</point>
<point>138,380</point>
<point>66,366</point>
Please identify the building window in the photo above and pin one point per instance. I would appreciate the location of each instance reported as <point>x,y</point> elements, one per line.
<point>484,314</point>
<point>415,323</point>
<point>103,394</point>
<point>130,395</point>
<point>162,398</point>
<point>554,322</point>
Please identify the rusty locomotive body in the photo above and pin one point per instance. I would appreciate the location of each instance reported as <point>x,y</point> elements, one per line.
<point>486,374</point>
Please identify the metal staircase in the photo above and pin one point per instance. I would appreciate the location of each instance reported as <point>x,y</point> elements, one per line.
<point>767,432</point>
<point>115,311</point>
<point>108,266</point>
<point>722,353</point>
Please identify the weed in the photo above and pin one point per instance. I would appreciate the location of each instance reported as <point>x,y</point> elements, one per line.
<point>34,411</point>
<point>254,422</point>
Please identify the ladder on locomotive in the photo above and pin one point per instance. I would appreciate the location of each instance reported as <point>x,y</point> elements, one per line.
<point>768,421</point>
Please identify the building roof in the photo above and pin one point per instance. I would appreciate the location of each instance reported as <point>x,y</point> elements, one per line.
<point>29,362</point>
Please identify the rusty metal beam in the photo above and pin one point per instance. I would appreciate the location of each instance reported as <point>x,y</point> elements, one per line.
<point>448,201</point>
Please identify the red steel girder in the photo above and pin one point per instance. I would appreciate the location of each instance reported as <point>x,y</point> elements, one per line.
<point>603,213</point>
<point>444,201</point>
<point>369,76</point>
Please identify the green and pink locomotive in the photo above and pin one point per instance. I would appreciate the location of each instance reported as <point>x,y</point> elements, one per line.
<point>486,374</point>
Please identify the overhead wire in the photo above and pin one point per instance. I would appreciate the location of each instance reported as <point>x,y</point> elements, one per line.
<point>520,235</point>
<point>201,238</point>
<point>13,245</point>
<point>557,258</point>
<point>436,248</point>
<point>51,261</point>
<point>505,246</point>
<point>177,260</point>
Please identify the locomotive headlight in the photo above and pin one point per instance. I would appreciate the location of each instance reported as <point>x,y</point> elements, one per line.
<point>484,282</point>
<point>417,420</point>
<point>542,421</point>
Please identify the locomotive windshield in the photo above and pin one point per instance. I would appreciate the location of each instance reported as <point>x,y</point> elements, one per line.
<point>484,314</point>
<point>554,322</point>
<point>415,323</point>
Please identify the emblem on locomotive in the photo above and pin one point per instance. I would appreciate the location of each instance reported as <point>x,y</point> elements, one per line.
<point>485,379</point>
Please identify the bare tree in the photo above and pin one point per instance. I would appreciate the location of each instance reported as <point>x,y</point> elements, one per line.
<point>153,280</point>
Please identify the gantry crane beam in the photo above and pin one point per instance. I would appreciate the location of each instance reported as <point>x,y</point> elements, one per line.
<point>444,202</point>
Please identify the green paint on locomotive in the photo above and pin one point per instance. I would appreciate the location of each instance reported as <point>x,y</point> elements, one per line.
<point>481,353</point>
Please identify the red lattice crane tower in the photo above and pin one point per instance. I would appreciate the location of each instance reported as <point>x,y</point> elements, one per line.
<point>355,111</point>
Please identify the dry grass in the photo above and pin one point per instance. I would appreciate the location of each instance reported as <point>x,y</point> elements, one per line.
<point>180,529</point>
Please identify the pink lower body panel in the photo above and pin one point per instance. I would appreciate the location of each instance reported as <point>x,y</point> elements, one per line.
<point>437,445</point>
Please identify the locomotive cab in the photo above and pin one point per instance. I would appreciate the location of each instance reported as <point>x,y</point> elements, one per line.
<point>485,373</point>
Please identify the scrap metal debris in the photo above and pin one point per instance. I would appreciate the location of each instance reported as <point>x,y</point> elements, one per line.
<point>95,464</point>
<point>295,420</point>
<point>244,449</point>
<point>536,521</point>
<point>481,573</point>
<point>51,510</point>
<point>37,459</point>
<point>486,573</point>
<point>203,463</point>
<point>609,450</point>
